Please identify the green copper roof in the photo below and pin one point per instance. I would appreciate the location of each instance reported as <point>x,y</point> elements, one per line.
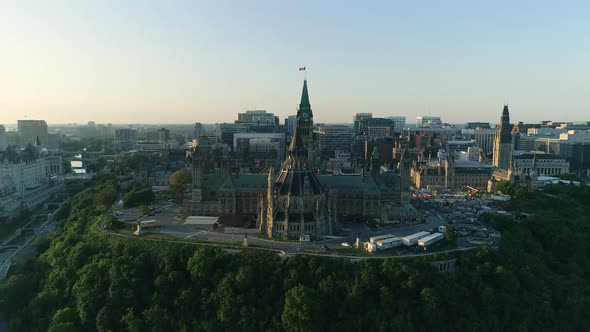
<point>245,182</point>
<point>375,155</point>
<point>388,181</point>
<point>214,180</point>
<point>348,183</point>
<point>304,97</point>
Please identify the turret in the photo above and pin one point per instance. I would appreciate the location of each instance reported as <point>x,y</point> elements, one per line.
<point>534,175</point>
<point>224,164</point>
<point>304,128</point>
<point>375,164</point>
<point>511,175</point>
<point>270,205</point>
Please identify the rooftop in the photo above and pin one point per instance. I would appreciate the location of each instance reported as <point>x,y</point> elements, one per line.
<point>348,182</point>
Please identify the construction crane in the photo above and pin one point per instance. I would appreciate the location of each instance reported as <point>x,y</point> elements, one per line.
<point>472,191</point>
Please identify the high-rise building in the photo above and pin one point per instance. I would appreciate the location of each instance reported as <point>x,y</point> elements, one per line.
<point>257,117</point>
<point>359,125</point>
<point>399,122</point>
<point>335,137</point>
<point>125,139</point>
<point>428,121</point>
<point>377,127</point>
<point>163,135</point>
<point>198,130</point>
<point>3,143</point>
<point>483,136</point>
<point>261,142</point>
<point>12,138</point>
<point>291,124</point>
<point>503,141</point>
<point>33,132</point>
<point>478,125</point>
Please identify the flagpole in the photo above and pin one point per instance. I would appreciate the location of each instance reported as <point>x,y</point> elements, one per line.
<point>304,69</point>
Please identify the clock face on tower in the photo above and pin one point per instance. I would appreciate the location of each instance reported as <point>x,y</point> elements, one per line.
<point>304,116</point>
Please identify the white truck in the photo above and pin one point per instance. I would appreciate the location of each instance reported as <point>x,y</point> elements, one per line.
<point>428,240</point>
<point>374,239</point>
<point>412,239</point>
<point>387,243</point>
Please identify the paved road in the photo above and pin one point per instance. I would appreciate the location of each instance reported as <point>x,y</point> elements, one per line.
<point>20,253</point>
<point>167,216</point>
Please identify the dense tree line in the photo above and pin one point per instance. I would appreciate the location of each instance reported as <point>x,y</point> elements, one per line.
<point>84,280</point>
<point>138,197</point>
<point>90,144</point>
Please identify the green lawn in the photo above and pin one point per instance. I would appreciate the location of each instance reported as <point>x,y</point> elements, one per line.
<point>315,251</point>
<point>352,252</point>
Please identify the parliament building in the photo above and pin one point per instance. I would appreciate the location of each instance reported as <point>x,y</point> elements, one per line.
<point>295,200</point>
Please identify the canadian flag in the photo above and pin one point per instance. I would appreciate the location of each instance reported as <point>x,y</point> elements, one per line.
<point>301,68</point>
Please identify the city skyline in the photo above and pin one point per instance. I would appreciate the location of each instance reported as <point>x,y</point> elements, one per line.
<point>198,62</point>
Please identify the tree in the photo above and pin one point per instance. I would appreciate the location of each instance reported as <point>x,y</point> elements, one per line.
<point>65,319</point>
<point>132,162</point>
<point>504,186</point>
<point>144,209</point>
<point>158,319</point>
<point>179,182</point>
<point>105,199</point>
<point>132,322</point>
<point>16,292</point>
<point>569,176</point>
<point>112,222</point>
<point>136,198</point>
<point>299,309</point>
<point>538,279</point>
<point>450,234</point>
<point>67,167</point>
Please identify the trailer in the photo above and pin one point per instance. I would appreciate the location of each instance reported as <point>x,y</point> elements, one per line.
<point>428,240</point>
<point>390,242</point>
<point>374,239</point>
<point>412,239</point>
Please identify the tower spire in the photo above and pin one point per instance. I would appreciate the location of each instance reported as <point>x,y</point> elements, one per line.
<point>304,97</point>
<point>505,114</point>
<point>302,141</point>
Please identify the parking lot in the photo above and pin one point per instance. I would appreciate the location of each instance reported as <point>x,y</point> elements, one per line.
<point>456,209</point>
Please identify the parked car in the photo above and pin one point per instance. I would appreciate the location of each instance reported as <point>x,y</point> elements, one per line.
<point>345,244</point>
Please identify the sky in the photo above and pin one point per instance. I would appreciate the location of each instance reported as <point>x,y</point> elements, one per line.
<point>205,61</point>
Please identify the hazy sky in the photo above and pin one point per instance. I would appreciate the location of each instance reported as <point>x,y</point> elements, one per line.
<point>187,61</point>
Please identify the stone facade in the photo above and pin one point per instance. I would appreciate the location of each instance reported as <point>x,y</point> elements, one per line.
<point>294,200</point>
<point>503,141</point>
<point>452,174</point>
